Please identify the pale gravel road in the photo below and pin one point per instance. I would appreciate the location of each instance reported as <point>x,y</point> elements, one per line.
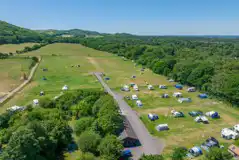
<point>149,144</point>
<point>12,93</point>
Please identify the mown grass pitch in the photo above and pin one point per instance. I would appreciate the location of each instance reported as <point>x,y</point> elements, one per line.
<point>7,48</point>
<point>58,59</point>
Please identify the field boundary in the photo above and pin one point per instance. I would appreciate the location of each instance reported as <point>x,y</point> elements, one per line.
<point>21,86</point>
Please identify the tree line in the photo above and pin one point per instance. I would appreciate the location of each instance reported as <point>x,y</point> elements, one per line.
<point>210,67</point>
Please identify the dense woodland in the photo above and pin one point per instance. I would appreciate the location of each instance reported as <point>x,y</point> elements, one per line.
<point>212,67</point>
<point>41,133</point>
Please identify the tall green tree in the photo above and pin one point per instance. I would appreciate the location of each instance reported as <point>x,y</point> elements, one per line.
<point>89,141</point>
<point>110,146</point>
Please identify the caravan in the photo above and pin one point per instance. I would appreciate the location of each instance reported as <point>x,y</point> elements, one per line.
<point>177,94</point>
<point>162,127</point>
<point>181,100</point>
<point>134,97</point>
<point>229,134</point>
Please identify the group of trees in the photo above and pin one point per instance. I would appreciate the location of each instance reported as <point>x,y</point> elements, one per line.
<point>4,55</point>
<point>210,66</point>
<point>34,134</point>
<point>98,122</point>
<point>34,47</point>
<point>43,132</point>
<point>98,126</point>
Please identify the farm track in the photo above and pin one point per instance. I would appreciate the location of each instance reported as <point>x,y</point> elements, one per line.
<point>21,86</point>
<point>150,144</point>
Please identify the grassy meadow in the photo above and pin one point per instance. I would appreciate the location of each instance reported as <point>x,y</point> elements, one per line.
<point>59,59</point>
<point>11,71</point>
<point>7,48</point>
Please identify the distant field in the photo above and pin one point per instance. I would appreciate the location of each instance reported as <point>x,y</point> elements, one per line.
<point>7,48</point>
<point>59,59</point>
<point>10,71</point>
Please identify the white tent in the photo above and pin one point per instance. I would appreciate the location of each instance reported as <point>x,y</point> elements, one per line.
<point>65,87</point>
<point>134,97</point>
<point>162,127</point>
<point>150,87</point>
<point>209,114</point>
<point>229,134</point>
<point>181,100</point>
<point>171,80</point>
<point>126,88</point>
<point>162,86</point>
<point>201,119</point>
<point>139,103</point>
<point>191,89</point>
<point>136,88</point>
<point>35,101</point>
<point>177,94</point>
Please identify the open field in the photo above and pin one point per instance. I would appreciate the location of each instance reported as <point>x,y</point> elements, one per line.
<point>11,71</point>
<point>7,48</point>
<point>60,72</point>
<point>59,58</point>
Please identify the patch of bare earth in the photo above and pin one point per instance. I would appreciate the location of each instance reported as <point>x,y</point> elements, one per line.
<point>95,64</point>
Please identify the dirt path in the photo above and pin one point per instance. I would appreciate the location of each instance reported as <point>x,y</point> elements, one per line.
<point>95,64</point>
<point>11,94</point>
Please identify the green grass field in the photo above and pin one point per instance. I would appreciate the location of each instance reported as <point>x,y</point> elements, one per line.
<point>11,71</point>
<point>59,59</point>
<point>7,48</point>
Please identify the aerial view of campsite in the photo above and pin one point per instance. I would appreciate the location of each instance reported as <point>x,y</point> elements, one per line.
<point>116,83</point>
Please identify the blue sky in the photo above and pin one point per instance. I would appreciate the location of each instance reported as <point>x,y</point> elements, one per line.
<point>145,17</point>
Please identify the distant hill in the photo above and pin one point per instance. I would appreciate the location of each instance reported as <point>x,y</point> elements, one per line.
<point>69,33</point>
<point>13,34</point>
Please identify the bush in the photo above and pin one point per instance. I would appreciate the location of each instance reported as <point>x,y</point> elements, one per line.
<point>218,154</point>
<point>179,153</point>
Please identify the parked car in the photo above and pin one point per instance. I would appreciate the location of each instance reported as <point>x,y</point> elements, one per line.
<point>126,153</point>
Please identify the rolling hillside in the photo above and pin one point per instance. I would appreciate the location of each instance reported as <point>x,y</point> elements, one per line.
<point>69,33</point>
<point>13,34</point>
